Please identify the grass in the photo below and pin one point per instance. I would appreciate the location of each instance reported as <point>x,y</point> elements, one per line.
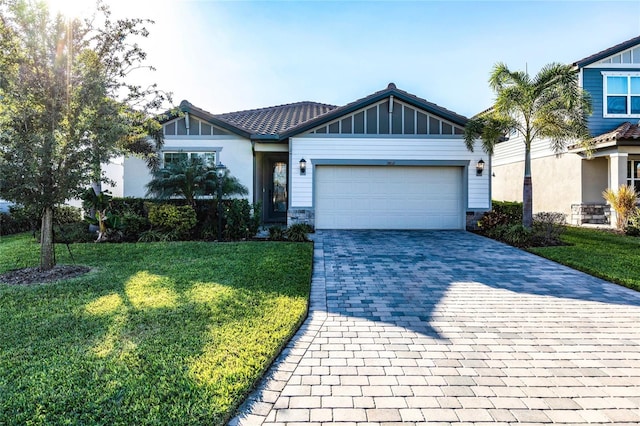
<point>607,255</point>
<point>158,333</point>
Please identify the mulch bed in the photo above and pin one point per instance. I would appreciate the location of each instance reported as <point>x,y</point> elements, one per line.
<point>30,276</point>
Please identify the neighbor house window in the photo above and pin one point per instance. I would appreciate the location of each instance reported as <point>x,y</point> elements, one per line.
<point>177,156</point>
<point>633,174</point>
<point>621,94</point>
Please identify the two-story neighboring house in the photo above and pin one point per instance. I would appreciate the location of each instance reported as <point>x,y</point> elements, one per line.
<point>390,160</point>
<point>572,183</point>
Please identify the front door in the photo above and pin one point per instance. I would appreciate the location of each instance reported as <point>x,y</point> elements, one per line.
<point>277,191</point>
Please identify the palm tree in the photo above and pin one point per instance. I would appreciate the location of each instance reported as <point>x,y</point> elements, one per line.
<point>550,105</point>
<point>190,179</point>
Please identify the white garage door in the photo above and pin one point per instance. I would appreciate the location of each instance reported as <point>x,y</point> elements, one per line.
<point>393,197</point>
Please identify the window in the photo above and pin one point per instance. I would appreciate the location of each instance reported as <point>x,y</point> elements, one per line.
<point>176,156</point>
<point>621,94</point>
<point>633,174</point>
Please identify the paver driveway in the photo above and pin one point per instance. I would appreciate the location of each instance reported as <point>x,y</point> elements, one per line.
<point>451,328</point>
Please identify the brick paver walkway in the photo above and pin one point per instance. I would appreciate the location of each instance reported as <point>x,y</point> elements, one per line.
<point>451,328</point>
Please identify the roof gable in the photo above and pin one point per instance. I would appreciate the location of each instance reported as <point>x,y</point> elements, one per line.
<point>280,122</point>
<point>618,51</point>
<point>389,116</point>
<point>388,94</point>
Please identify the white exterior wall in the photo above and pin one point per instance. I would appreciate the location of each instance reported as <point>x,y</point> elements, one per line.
<point>114,170</point>
<point>234,152</point>
<point>512,151</point>
<point>313,148</point>
<point>136,175</point>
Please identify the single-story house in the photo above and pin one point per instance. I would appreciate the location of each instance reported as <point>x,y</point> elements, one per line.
<point>390,160</point>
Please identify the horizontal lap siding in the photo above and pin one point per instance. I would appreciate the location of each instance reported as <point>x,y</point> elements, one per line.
<point>388,149</point>
<point>593,83</point>
<point>512,151</point>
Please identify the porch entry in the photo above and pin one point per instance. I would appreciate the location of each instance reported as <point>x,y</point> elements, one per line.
<point>275,191</point>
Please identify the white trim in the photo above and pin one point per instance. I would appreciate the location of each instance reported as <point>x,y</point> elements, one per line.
<point>632,53</point>
<point>191,151</point>
<point>627,74</point>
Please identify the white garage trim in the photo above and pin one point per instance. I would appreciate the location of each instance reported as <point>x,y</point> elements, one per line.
<point>388,195</point>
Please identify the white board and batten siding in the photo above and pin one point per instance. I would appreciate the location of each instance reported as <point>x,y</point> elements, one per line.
<point>430,168</point>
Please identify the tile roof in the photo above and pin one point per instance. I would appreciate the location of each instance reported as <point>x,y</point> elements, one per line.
<point>277,119</point>
<point>624,132</point>
<point>607,52</point>
<point>283,121</point>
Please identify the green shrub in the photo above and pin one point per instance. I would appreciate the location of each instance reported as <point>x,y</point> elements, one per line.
<point>128,205</point>
<point>277,233</point>
<point>547,229</point>
<point>241,220</point>
<point>502,213</point>
<point>633,224</point>
<point>308,228</point>
<point>12,223</point>
<point>133,225</point>
<point>512,209</point>
<point>77,232</point>
<point>153,235</point>
<point>66,214</point>
<point>515,235</point>
<point>297,232</point>
<point>177,220</point>
<point>23,219</point>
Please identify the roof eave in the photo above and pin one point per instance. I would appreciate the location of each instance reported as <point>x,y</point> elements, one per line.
<point>607,52</point>
<point>189,108</point>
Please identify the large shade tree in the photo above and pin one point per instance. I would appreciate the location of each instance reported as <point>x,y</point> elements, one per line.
<point>550,105</point>
<point>67,104</point>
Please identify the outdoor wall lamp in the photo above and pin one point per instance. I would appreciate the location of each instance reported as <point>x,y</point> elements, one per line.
<point>303,166</point>
<point>480,167</point>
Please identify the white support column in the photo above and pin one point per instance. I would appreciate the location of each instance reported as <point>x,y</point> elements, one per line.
<point>618,169</point>
<point>617,175</point>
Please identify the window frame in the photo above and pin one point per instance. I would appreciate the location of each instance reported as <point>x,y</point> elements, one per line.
<point>631,180</point>
<point>628,95</point>
<point>190,154</point>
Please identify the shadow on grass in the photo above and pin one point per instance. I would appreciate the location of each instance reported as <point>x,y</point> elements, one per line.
<point>167,335</point>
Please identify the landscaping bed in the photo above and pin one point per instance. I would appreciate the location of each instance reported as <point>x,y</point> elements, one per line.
<point>156,333</point>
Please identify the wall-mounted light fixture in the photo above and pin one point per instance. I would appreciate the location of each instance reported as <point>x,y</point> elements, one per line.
<point>303,166</point>
<point>480,167</point>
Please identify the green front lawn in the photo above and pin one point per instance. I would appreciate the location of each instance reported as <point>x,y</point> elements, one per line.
<point>610,256</point>
<point>157,333</point>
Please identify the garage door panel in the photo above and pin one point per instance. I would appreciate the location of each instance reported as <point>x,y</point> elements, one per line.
<point>375,197</point>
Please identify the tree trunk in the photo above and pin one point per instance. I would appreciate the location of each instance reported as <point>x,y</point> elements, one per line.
<point>47,249</point>
<point>527,190</point>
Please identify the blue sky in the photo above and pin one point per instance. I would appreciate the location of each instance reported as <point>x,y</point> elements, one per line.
<point>232,55</point>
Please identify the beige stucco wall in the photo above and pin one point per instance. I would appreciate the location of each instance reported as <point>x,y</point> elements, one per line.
<point>595,176</point>
<point>556,183</point>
